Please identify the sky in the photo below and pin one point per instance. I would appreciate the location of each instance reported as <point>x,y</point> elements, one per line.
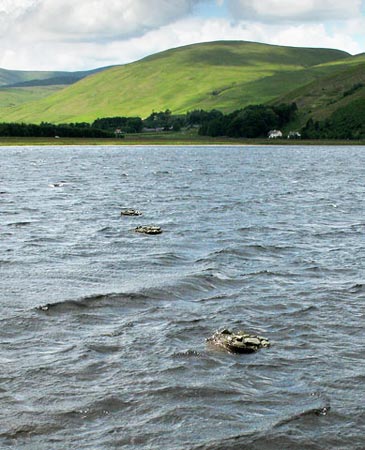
<point>86,34</point>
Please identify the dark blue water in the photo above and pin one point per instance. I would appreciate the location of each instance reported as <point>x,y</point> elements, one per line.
<point>267,239</point>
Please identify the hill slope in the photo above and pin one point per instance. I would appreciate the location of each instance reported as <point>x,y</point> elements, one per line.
<point>223,75</point>
<point>18,87</point>
<point>343,85</point>
<point>12,97</point>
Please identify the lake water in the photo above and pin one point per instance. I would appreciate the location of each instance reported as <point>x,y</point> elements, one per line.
<point>266,239</point>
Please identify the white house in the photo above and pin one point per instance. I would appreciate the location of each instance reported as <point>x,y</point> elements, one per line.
<point>274,134</point>
<point>118,133</point>
<point>294,135</point>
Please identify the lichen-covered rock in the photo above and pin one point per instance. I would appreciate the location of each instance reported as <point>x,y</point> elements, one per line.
<point>238,342</point>
<point>148,229</point>
<point>130,212</point>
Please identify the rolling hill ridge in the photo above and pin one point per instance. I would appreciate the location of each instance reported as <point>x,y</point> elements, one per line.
<point>225,75</point>
<point>22,78</point>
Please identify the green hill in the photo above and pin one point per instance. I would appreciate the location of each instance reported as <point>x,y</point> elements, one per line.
<point>225,75</point>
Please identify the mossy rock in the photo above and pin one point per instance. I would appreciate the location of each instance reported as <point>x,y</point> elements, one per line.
<point>130,212</point>
<point>238,342</point>
<point>148,229</point>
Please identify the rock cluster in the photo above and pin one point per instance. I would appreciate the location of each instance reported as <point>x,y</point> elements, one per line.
<point>148,229</point>
<point>238,342</point>
<point>145,229</point>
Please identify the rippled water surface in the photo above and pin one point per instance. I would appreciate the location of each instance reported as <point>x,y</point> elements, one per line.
<point>103,329</point>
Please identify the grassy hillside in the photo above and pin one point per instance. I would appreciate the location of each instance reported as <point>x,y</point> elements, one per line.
<point>340,85</point>
<point>223,75</point>
<point>19,87</point>
<point>11,97</point>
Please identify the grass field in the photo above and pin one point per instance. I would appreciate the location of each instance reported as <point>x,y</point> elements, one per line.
<point>168,139</point>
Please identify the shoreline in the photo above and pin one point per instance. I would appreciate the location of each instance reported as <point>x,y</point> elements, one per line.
<point>169,141</point>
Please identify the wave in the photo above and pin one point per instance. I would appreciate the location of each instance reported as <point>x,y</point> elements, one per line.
<point>89,302</point>
<point>299,311</point>
<point>249,251</point>
<point>168,258</point>
<point>161,172</point>
<point>261,441</point>
<point>28,430</point>
<point>96,409</point>
<point>357,288</point>
<point>189,286</point>
<point>321,411</point>
<point>4,262</point>
<point>19,224</point>
<point>271,273</point>
<point>272,437</point>
<point>179,288</point>
<point>257,229</point>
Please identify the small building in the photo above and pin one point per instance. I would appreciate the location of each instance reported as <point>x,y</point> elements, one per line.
<point>275,134</point>
<point>294,135</point>
<point>118,133</point>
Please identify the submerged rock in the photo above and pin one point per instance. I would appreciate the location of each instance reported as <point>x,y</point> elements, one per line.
<point>148,229</point>
<point>130,212</point>
<point>238,342</point>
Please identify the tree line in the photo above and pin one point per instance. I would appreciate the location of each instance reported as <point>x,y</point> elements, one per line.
<point>253,121</point>
<point>345,123</point>
<point>79,130</point>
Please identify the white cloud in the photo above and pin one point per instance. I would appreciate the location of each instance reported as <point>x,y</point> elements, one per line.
<point>16,7</point>
<point>314,35</point>
<point>290,10</point>
<point>84,34</point>
<point>38,33</point>
<point>12,11</point>
<point>91,20</point>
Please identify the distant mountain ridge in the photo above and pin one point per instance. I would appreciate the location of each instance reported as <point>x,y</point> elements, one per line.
<point>23,78</point>
<point>225,75</point>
